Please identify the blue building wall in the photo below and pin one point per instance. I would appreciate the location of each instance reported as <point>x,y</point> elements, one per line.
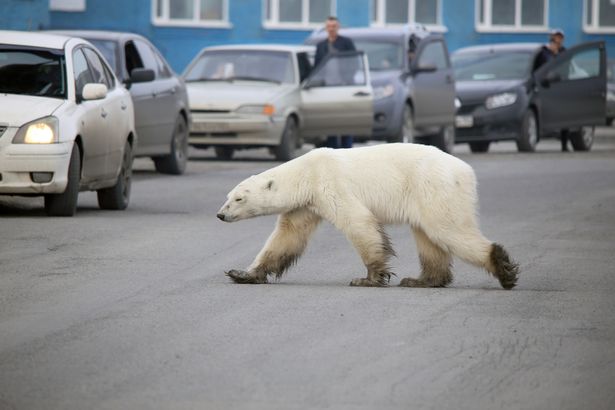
<point>180,44</point>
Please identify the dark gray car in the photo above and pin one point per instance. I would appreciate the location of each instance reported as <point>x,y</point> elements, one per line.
<point>502,97</point>
<point>162,116</point>
<point>413,82</point>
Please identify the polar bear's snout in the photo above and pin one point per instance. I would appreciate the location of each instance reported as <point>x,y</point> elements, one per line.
<point>220,216</point>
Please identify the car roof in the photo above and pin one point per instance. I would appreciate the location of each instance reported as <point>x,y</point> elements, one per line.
<point>33,39</point>
<point>500,47</point>
<point>97,34</point>
<point>263,47</point>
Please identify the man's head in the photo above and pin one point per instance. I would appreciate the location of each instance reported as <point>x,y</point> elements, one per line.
<point>557,37</point>
<point>332,25</point>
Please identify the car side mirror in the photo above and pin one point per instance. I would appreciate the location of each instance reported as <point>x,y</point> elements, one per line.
<point>94,91</point>
<point>424,68</point>
<point>140,75</point>
<point>551,78</point>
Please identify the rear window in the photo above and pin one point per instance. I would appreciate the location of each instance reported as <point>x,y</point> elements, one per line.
<point>32,72</point>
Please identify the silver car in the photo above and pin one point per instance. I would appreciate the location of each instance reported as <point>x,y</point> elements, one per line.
<point>250,96</point>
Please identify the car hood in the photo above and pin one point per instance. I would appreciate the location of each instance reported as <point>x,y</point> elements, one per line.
<point>472,91</point>
<point>229,96</point>
<point>20,109</point>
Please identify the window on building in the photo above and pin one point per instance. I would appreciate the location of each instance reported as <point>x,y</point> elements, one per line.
<point>599,16</point>
<point>298,13</point>
<point>390,12</point>
<point>190,12</point>
<point>512,15</point>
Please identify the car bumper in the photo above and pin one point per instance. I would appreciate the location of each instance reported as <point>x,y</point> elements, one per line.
<point>476,123</point>
<point>20,162</point>
<point>235,129</point>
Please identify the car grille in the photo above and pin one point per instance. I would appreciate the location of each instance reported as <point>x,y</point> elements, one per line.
<point>467,109</point>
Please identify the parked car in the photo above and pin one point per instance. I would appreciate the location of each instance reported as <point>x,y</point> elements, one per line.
<point>66,123</point>
<point>162,116</point>
<point>248,96</point>
<point>413,82</point>
<point>610,93</point>
<point>501,97</point>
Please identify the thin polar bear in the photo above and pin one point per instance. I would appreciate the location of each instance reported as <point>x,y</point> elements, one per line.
<point>359,191</point>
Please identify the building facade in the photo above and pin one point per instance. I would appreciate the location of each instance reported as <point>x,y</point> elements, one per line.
<point>180,28</point>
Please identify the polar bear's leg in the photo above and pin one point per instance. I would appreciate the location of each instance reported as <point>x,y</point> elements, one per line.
<point>435,264</point>
<point>372,243</point>
<point>284,246</point>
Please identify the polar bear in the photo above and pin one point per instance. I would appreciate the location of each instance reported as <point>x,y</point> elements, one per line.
<point>359,191</point>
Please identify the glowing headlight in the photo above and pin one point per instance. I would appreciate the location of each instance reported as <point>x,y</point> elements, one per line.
<point>265,109</point>
<point>500,100</point>
<point>383,91</point>
<point>41,131</point>
<point>457,103</point>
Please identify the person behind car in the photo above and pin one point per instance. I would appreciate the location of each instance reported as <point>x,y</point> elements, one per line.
<point>334,43</point>
<point>548,52</point>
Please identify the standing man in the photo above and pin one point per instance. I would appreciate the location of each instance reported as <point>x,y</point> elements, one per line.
<point>547,53</point>
<point>334,43</point>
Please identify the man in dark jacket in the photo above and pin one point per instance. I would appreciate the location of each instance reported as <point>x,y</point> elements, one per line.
<point>334,43</point>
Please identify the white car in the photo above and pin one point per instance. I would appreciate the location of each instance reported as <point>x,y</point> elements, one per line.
<point>250,96</point>
<point>66,123</point>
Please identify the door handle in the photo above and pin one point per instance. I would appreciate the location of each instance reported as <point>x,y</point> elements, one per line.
<point>361,94</point>
<point>103,113</point>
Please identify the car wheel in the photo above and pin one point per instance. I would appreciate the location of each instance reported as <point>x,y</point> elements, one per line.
<point>65,204</point>
<point>175,162</point>
<point>118,196</point>
<point>529,133</point>
<point>288,144</point>
<point>583,139</point>
<point>224,153</point>
<point>445,139</point>
<point>406,132</point>
<point>479,146</point>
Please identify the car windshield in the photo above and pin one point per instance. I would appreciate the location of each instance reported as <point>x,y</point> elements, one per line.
<point>483,66</point>
<point>382,55</point>
<point>252,65</point>
<point>108,48</point>
<point>32,72</point>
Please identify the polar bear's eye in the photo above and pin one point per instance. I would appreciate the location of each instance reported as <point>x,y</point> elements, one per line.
<point>238,199</point>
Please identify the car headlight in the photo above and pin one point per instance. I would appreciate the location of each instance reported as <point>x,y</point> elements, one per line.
<point>41,131</point>
<point>262,109</point>
<point>457,103</point>
<point>500,100</point>
<point>383,91</point>
<point>610,95</point>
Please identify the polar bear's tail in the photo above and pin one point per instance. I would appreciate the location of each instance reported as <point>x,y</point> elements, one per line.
<point>505,269</point>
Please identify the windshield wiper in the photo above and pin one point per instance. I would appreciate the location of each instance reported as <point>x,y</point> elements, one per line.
<point>248,78</point>
<point>196,80</point>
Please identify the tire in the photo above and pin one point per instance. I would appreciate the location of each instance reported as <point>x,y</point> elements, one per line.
<point>406,131</point>
<point>445,139</point>
<point>583,139</point>
<point>175,163</point>
<point>118,196</point>
<point>65,204</point>
<point>529,133</point>
<point>479,146</point>
<point>224,153</point>
<point>288,144</point>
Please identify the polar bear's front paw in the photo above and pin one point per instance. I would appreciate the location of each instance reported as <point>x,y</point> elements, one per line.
<point>241,276</point>
<point>412,283</point>
<point>365,282</point>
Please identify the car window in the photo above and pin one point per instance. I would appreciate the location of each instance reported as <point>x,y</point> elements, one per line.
<point>585,64</point>
<point>256,65</point>
<point>381,54</point>
<point>81,71</point>
<point>434,53</point>
<point>108,49</point>
<point>100,74</point>
<point>148,58</point>
<point>340,70</point>
<point>133,58</point>
<point>32,72</point>
<point>490,65</point>
<point>305,67</point>
<point>163,68</point>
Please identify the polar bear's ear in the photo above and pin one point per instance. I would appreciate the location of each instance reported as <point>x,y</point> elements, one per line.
<point>269,185</point>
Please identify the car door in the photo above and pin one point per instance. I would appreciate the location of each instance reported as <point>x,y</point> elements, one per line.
<point>337,98</point>
<point>115,108</point>
<point>93,124</point>
<point>433,85</point>
<point>571,88</point>
<point>154,101</point>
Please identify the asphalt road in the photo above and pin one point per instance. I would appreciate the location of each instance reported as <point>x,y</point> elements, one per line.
<point>131,309</point>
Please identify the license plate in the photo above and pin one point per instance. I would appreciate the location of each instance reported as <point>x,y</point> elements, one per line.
<point>464,121</point>
<point>210,127</point>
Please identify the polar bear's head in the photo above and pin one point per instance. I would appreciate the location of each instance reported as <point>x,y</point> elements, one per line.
<point>255,196</point>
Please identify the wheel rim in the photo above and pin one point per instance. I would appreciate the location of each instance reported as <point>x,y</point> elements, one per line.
<point>407,127</point>
<point>532,132</point>
<point>588,136</point>
<point>180,142</point>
